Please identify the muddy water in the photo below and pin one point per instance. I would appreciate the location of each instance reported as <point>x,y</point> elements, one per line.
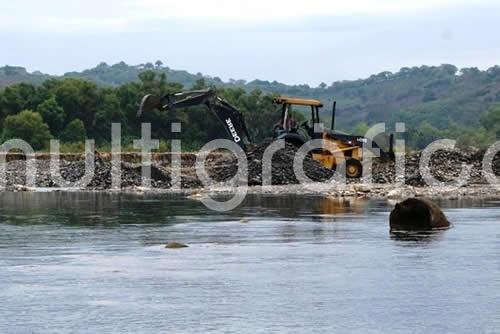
<point>96,263</point>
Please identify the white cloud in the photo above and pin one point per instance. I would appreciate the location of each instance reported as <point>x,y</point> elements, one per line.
<point>141,15</point>
<point>268,9</point>
<point>296,42</point>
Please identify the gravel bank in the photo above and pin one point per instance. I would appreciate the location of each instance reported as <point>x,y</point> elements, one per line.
<point>444,166</point>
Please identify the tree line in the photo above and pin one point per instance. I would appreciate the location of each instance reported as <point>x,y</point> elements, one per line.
<point>434,102</point>
<point>72,109</point>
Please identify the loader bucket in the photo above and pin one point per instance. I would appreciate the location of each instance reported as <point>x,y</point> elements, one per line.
<point>148,103</point>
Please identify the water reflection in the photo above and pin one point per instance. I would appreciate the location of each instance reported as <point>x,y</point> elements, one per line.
<point>416,238</point>
<point>341,206</point>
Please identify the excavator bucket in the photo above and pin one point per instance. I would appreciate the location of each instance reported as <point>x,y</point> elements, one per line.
<point>148,103</point>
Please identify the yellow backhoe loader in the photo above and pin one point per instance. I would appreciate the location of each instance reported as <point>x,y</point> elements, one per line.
<point>346,148</point>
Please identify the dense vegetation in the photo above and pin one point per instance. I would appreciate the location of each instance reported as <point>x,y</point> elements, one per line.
<point>434,102</point>
<point>71,109</point>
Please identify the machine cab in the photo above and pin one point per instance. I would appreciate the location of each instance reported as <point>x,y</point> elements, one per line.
<point>288,128</point>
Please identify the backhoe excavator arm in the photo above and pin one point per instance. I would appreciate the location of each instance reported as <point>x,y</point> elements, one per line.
<point>229,115</point>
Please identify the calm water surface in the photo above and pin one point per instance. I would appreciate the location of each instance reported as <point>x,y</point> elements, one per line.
<point>95,263</point>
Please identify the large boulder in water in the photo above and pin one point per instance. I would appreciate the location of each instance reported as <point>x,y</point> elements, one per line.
<point>415,214</point>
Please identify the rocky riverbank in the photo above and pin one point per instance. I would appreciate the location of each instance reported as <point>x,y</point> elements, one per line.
<point>221,167</point>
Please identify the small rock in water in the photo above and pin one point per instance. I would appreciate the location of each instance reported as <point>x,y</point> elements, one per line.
<point>20,187</point>
<point>175,245</point>
<point>196,195</point>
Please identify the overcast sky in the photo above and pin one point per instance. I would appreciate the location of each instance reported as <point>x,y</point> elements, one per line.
<point>290,41</point>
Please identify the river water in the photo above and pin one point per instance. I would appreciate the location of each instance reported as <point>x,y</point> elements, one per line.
<point>96,263</point>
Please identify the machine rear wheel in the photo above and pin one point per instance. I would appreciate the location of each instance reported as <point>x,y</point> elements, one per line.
<point>353,168</point>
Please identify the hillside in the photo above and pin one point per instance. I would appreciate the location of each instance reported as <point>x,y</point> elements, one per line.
<point>430,99</point>
<point>10,75</point>
<point>103,75</point>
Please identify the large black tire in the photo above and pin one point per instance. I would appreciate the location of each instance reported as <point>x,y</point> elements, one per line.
<point>353,168</point>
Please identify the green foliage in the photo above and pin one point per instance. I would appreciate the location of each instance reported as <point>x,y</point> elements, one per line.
<point>477,138</point>
<point>424,134</point>
<point>491,121</point>
<point>79,98</point>
<point>78,147</point>
<point>52,114</point>
<point>108,113</point>
<point>16,98</point>
<point>74,132</point>
<point>28,126</point>
<point>433,101</point>
<point>121,73</point>
<point>10,75</point>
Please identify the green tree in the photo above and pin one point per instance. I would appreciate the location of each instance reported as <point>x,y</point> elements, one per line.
<point>423,135</point>
<point>475,138</point>
<point>199,84</point>
<point>52,114</point>
<point>28,126</point>
<point>16,98</point>
<point>429,96</point>
<point>108,113</point>
<point>74,132</point>
<point>491,121</point>
<point>79,99</point>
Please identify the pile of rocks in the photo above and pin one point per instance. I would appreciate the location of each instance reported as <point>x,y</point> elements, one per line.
<point>444,166</point>
<point>221,167</point>
<point>73,171</point>
<point>282,172</point>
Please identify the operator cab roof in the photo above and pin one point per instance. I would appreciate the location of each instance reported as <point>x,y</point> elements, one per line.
<point>297,101</point>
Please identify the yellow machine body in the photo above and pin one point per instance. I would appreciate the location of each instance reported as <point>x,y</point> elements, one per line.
<point>336,151</point>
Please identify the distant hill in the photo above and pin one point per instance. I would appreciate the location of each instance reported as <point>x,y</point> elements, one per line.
<point>103,74</point>
<point>120,73</point>
<point>10,75</point>
<point>439,95</point>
